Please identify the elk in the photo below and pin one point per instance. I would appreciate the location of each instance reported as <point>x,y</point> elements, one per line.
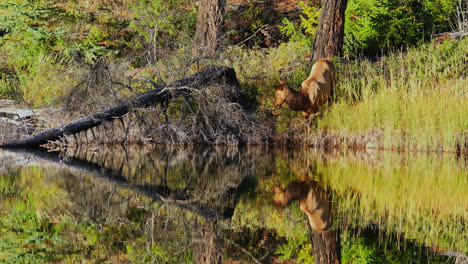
<point>314,92</point>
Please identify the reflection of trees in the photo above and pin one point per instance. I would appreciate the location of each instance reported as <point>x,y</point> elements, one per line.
<point>207,182</point>
<point>206,242</point>
<point>106,186</point>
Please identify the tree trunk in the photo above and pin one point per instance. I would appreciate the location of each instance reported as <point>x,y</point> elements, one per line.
<point>326,246</point>
<point>328,40</point>
<point>206,242</point>
<point>210,26</point>
<point>211,74</point>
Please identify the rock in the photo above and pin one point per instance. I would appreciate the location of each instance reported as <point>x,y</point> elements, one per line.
<point>6,103</point>
<point>4,120</point>
<point>17,114</point>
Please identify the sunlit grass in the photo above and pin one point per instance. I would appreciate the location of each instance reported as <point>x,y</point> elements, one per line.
<point>418,99</point>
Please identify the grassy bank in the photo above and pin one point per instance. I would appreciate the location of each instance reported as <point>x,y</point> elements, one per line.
<point>414,100</point>
<point>418,99</point>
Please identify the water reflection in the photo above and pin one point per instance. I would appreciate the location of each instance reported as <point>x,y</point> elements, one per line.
<point>316,203</point>
<point>217,205</point>
<point>313,201</point>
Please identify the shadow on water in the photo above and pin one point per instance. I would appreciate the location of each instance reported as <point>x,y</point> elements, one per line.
<point>226,205</point>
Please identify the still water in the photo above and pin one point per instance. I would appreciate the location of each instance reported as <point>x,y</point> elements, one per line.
<point>229,205</point>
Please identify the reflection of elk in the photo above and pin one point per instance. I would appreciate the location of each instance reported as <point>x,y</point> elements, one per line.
<point>313,200</point>
<point>314,92</point>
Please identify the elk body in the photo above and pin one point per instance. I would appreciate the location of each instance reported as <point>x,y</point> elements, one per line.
<point>314,92</point>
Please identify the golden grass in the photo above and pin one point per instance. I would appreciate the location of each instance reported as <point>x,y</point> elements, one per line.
<point>419,99</point>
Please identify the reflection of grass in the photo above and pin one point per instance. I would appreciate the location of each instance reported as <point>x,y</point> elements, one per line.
<point>425,198</point>
<point>24,237</point>
<point>421,197</point>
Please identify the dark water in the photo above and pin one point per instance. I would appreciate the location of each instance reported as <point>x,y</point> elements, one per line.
<point>221,205</point>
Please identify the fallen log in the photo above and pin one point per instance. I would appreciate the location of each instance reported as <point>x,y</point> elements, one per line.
<point>211,75</point>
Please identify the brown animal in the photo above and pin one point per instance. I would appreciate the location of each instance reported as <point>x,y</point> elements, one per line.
<point>313,201</point>
<point>314,92</point>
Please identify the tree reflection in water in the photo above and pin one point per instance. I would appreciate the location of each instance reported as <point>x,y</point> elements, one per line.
<point>206,185</point>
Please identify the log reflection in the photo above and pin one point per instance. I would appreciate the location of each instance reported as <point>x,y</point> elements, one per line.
<point>191,193</point>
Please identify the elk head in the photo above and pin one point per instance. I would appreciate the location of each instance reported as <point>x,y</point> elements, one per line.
<point>280,94</point>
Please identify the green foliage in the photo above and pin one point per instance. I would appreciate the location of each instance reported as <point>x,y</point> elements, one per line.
<point>306,29</point>
<point>357,252</point>
<point>305,254</point>
<point>364,249</point>
<point>382,24</point>
<point>285,251</point>
<point>309,18</point>
<point>36,42</point>
<point>290,30</point>
<point>25,32</point>
<point>163,22</point>
<point>296,247</point>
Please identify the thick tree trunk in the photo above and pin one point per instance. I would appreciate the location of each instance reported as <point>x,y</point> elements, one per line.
<point>326,246</point>
<point>210,26</point>
<point>210,75</point>
<point>328,40</point>
<point>207,242</point>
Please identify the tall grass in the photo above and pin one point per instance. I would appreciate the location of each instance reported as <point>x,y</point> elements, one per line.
<point>418,99</point>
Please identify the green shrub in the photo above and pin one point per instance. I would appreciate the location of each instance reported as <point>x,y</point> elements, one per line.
<point>162,22</point>
<point>381,24</point>
<point>308,25</point>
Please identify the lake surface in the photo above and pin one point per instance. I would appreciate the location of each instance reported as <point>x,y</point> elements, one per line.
<point>224,205</point>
